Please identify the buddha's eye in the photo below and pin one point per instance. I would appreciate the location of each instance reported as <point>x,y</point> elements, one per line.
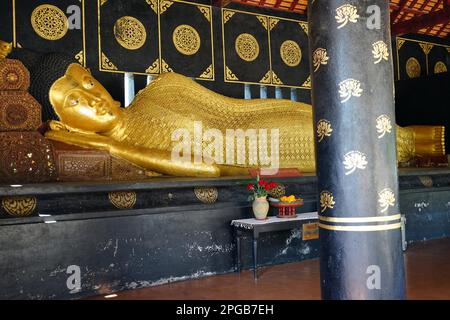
<point>88,83</point>
<point>73,100</point>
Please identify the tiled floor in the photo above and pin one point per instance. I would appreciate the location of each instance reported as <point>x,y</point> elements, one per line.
<point>427,267</point>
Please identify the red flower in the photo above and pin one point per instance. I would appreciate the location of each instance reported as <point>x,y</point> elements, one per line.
<point>267,186</point>
<point>272,185</point>
<point>250,186</point>
<point>262,182</point>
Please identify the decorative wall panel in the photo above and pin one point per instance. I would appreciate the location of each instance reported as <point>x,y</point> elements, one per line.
<point>245,43</point>
<point>289,52</point>
<point>50,26</point>
<point>267,50</point>
<point>186,36</point>
<point>128,36</point>
<point>417,58</point>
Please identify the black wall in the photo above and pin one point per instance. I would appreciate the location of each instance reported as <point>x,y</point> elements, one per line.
<point>420,100</point>
<point>97,40</point>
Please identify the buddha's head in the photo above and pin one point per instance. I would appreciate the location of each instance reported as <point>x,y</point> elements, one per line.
<point>5,49</point>
<point>69,93</point>
<point>81,102</point>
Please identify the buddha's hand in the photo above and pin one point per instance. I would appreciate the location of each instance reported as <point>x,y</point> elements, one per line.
<point>91,140</point>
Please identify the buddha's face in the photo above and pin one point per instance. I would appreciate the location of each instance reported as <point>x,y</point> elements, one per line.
<point>81,102</point>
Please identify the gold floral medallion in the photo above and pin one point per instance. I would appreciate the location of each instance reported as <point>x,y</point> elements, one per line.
<point>130,33</point>
<point>413,68</point>
<point>207,195</point>
<point>123,200</point>
<point>49,22</point>
<point>440,67</point>
<point>291,54</point>
<point>247,47</point>
<point>186,39</point>
<point>19,206</point>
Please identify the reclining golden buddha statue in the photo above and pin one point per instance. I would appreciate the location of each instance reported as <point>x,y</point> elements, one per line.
<point>148,131</point>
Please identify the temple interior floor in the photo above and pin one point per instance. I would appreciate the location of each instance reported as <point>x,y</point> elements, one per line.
<point>426,264</point>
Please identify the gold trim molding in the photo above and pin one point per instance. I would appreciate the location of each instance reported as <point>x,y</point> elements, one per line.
<point>153,4</point>
<point>275,79</point>
<point>164,5</point>
<point>400,43</point>
<point>80,57</point>
<point>267,79</point>
<point>208,73</point>
<point>226,16</point>
<point>304,26</point>
<point>165,66</point>
<point>107,64</point>
<point>264,21</point>
<point>426,47</point>
<point>273,22</point>
<point>154,67</point>
<point>206,12</point>
<point>229,75</point>
<point>307,83</point>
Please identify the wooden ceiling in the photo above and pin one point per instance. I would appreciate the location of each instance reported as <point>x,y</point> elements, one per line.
<point>431,17</point>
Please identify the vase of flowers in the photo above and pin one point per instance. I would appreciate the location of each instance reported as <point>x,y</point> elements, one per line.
<point>258,195</point>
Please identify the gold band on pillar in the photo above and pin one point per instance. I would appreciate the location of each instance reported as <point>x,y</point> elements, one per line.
<point>360,219</point>
<point>395,224</point>
<point>382,227</point>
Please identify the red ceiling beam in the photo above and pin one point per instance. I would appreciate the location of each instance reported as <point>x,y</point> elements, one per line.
<point>424,21</point>
<point>401,7</point>
<point>278,3</point>
<point>294,3</point>
<point>434,8</point>
<point>220,3</point>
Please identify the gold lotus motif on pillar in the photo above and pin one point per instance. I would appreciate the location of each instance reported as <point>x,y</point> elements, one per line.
<point>323,129</point>
<point>386,199</point>
<point>380,51</point>
<point>354,160</point>
<point>247,47</point>
<point>349,88</point>
<point>49,22</point>
<point>345,14</point>
<point>290,52</point>
<point>186,39</point>
<point>383,125</point>
<point>326,201</point>
<point>320,58</point>
<point>130,33</point>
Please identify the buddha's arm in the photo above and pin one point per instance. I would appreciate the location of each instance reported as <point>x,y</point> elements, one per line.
<point>150,159</point>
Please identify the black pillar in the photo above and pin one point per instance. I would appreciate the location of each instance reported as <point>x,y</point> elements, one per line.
<point>353,101</point>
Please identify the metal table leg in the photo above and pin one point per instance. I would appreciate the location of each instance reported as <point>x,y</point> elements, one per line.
<point>238,250</point>
<point>255,256</point>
